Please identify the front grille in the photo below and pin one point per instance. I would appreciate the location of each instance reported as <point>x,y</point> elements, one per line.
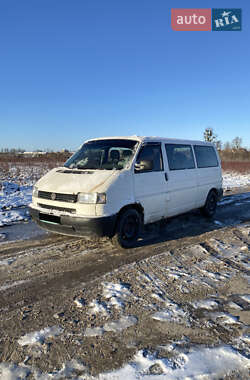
<point>65,209</point>
<point>72,198</point>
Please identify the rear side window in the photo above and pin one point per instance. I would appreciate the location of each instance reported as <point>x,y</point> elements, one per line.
<point>205,156</point>
<point>180,156</point>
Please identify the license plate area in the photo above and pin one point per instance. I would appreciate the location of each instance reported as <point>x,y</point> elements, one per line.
<point>53,219</point>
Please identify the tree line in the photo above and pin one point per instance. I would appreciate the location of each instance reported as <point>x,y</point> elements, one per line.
<point>230,150</point>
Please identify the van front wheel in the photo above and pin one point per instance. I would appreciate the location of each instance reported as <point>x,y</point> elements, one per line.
<point>210,205</point>
<point>127,230</point>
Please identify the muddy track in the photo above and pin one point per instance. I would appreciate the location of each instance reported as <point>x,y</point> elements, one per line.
<point>46,266</point>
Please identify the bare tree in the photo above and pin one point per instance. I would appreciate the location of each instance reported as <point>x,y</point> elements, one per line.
<point>236,143</point>
<point>209,135</point>
<point>227,146</point>
<point>218,144</point>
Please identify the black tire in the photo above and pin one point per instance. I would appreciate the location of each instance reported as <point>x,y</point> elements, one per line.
<point>210,205</point>
<point>127,230</point>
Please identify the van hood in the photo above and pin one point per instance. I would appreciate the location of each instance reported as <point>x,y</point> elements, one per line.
<point>72,181</point>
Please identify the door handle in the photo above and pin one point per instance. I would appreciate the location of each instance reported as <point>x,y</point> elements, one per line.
<point>166,176</point>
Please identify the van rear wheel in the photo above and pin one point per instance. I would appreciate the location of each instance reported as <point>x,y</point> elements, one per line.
<point>128,228</point>
<point>210,205</point>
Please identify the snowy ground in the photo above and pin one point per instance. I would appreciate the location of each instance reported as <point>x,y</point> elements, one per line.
<point>181,314</point>
<point>14,202</point>
<point>13,205</point>
<point>232,180</point>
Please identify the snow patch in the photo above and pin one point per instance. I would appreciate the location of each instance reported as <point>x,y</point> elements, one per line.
<point>205,304</point>
<point>172,313</point>
<point>234,305</point>
<point>232,180</point>
<point>228,249</point>
<point>2,236</point>
<point>69,370</point>
<point>97,307</point>
<point>13,216</point>
<point>116,294</point>
<point>10,371</point>
<point>7,261</point>
<point>246,298</point>
<point>93,331</point>
<point>80,302</point>
<point>224,319</point>
<point>13,204</point>
<point>123,323</point>
<point>242,344</point>
<point>37,337</point>
<point>204,364</point>
<point>116,326</point>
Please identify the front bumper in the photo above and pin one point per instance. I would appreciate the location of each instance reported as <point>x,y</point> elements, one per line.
<point>75,226</point>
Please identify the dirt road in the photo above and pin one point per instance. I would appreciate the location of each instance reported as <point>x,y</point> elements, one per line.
<point>186,283</point>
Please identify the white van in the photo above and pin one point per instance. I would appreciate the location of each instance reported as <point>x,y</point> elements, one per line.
<point>113,186</point>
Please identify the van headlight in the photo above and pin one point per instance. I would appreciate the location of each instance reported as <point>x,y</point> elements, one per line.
<point>91,198</point>
<point>35,192</point>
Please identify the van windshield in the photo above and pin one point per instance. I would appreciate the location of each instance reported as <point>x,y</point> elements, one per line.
<point>103,155</point>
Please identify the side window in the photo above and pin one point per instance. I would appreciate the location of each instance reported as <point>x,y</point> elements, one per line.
<point>152,153</point>
<point>180,156</point>
<point>205,156</point>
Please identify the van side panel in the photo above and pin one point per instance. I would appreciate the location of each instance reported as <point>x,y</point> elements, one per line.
<point>207,179</point>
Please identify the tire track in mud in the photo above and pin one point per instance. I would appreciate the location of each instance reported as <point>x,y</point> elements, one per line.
<point>244,239</point>
<point>56,263</point>
<point>231,263</point>
<point>47,277</point>
<point>173,280</point>
<point>74,264</point>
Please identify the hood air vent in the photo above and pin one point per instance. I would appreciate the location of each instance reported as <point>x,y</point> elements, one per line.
<point>73,171</point>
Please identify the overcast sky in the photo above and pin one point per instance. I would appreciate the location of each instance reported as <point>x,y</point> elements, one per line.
<point>77,69</point>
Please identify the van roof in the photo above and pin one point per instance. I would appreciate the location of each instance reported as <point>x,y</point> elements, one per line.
<point>153,139</point>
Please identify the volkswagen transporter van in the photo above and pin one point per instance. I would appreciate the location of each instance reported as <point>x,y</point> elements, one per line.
<point>114,186</point>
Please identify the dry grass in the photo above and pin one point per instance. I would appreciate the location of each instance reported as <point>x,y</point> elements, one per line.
<point>27,170</point>
<point>50,160</point>
<point>242,167</point>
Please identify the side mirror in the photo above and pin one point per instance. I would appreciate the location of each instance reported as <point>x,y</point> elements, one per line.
<point>144,165</point>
